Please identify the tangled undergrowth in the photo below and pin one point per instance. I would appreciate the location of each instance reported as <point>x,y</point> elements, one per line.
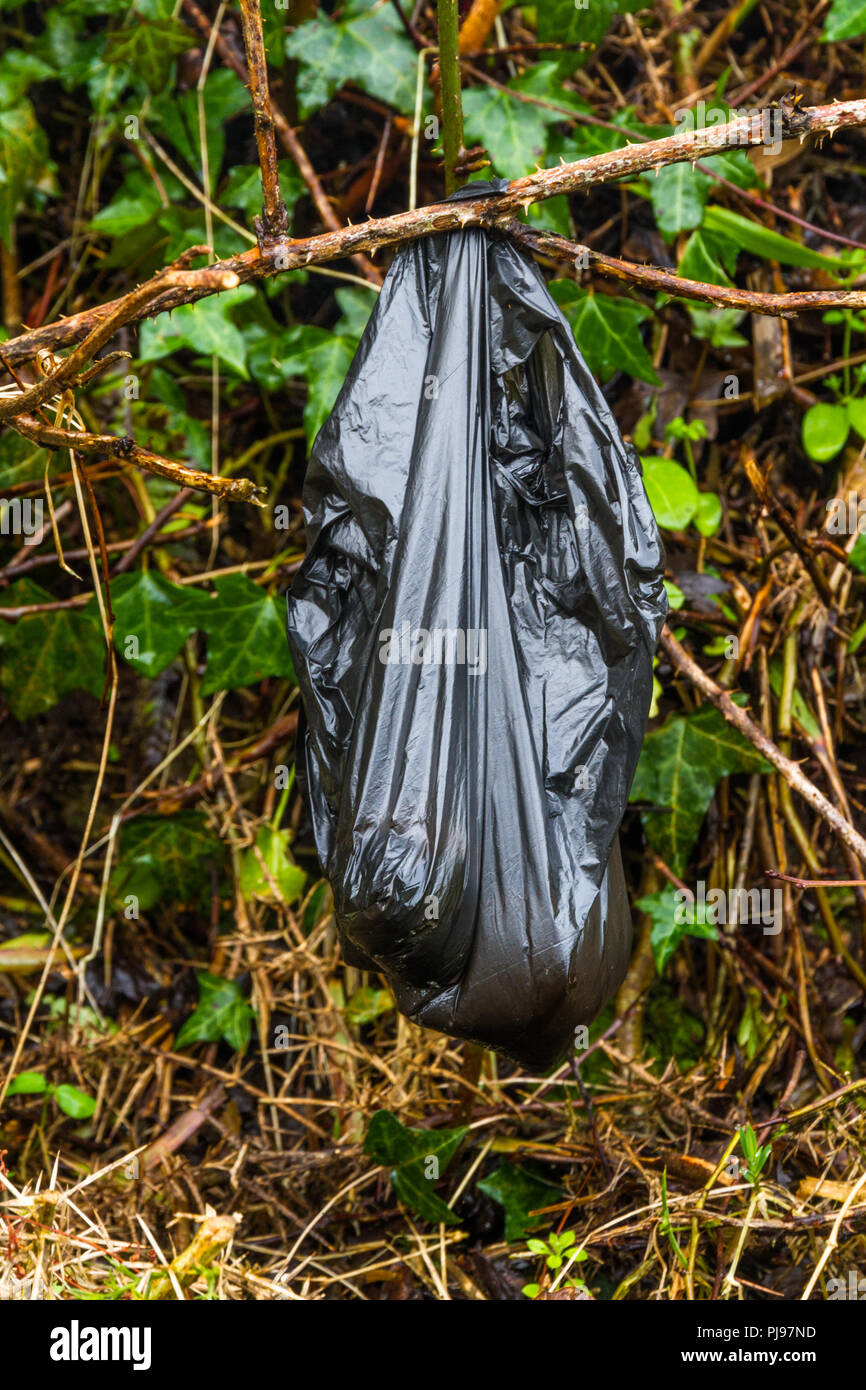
<point>203,1100</point>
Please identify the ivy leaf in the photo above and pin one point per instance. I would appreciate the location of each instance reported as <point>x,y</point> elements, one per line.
<point>18,72</point>
<point>413,1154</point>
<point>846,20</point>
<point>607,331</point>
<point>149,49</point>
<point>23,161</point>
<point>48,655</point>
<point>679,196</point>
<point>370,49</point>
<point>667,932</point>
<point>562,21</point>
<point>322,358</point>
<point>222,1013</point>
<point>165,857</point>
<point>520,1192</point>
<point>157,614</point>
<point>205,327</point>
<point>513,132</point>
<point>243,188</point>
<point>178,116</point>
<point>680,765</point>
<point>273,845</point>
<point>246,636</point>
<point>671,491</point>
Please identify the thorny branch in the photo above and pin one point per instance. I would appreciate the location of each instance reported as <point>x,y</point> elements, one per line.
<point>496,210</point>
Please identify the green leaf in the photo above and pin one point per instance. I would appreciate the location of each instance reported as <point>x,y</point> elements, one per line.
<point>222,1013</point>
<point>125,213</point>
<point>165,857</point>
<point>148,49</point>
<point>48,655</point>
<point>671,491</point>
<point>205,327</point>
<point>177,115</point>
<point>367,1004</point>
<point>708,516</point>
<point>27,1083</point>
<point>23,161</point>
<point>322,358</point>
<point>680,765</point>
<point>679,196</point>
<point>707,258</point>
<point>73,1102</point>
<point>246,636</point>
<point>519,1191</point>
<point>856,408</point>
<point>561,21</point>
<point>825,429</point>
<point>857,555</point>
<point>664,909</point>
<point>761,241</point>
<point>243,188</point>
<point>273,845</point>
<point>371,50</point>
<point>846,20</point>
<point>717,326</point>
<point>18,72</point>
<point>412,1154</point>
<point>513,132</point>
<point>157,614</point>
<point>607,331</point>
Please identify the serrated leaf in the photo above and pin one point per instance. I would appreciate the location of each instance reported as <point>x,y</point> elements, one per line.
<point>246,636</point>
<point>222,1013</point>
<point>165,857</point>
<point>664,910</point>
<point>519,1192</point>
<point>411,1153</point>
<point>679,196</point>
<point>671,491</point>
<point>371,50</point>
<point>680,765</point>
<point>48,655</point>
<point>148,49</point>
<point>846,20</point>
<point>606,330</point>
<point>273,845</point>
<point>159,615</point>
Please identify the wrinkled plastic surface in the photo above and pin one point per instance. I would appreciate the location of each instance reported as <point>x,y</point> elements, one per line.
<point>472,478</point>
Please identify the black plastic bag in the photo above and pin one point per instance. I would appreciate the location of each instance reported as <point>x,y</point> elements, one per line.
<point>473,630</point>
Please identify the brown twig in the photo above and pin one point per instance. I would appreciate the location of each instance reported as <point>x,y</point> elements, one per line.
<point>126,450</point>
<point>274,221</point>
<point>790,770</point>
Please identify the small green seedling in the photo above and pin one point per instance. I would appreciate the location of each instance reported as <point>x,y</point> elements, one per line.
<point>756,1157</point>
<point>556,1250</point>
<point>826,426</point>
